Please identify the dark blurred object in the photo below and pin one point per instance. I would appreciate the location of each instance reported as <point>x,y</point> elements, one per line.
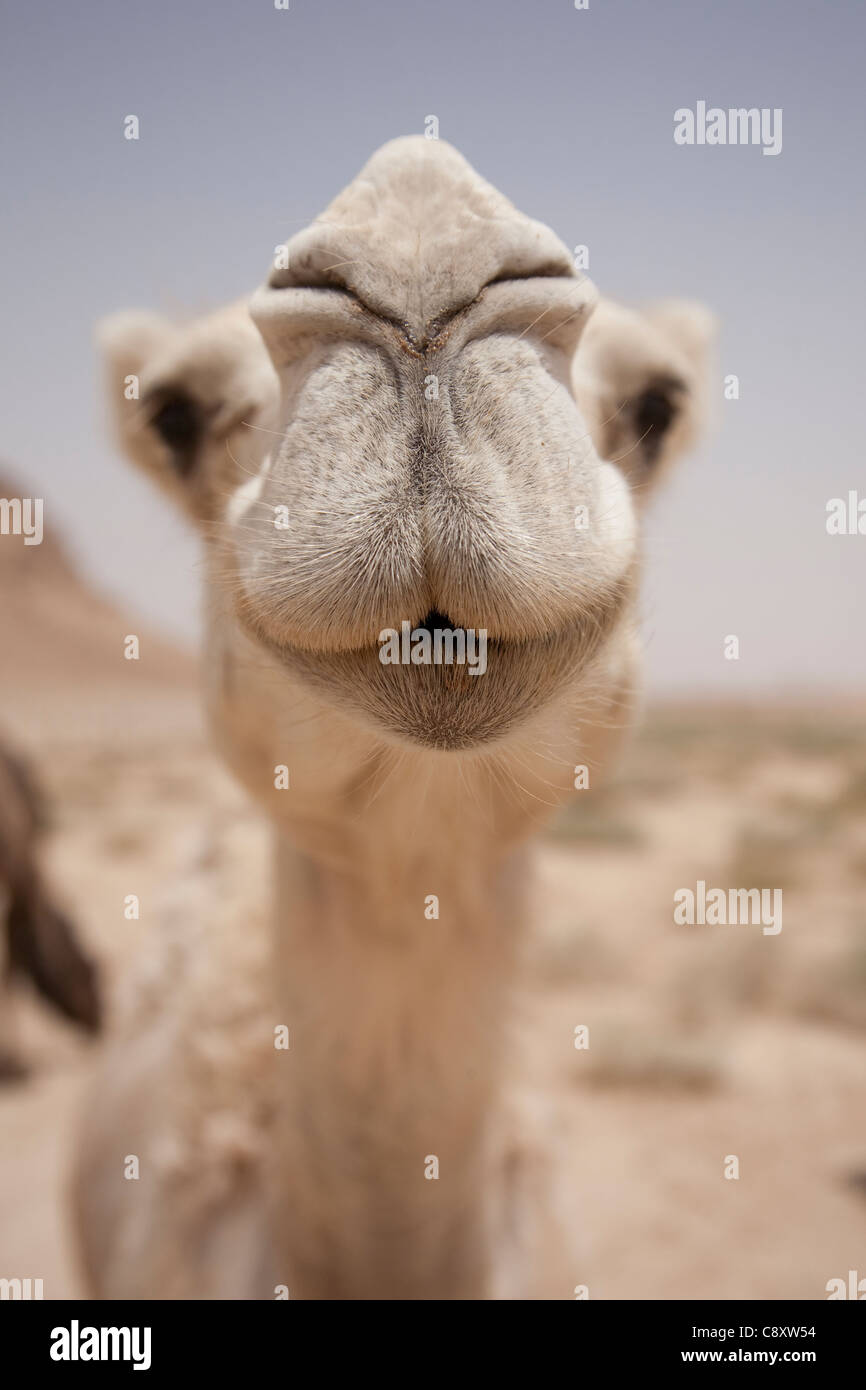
<point>858,1182</point>
<point>41,942</point>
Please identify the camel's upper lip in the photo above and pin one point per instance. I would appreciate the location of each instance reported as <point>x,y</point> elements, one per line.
<point>591,622</point>
<point>285,647</point>
<point>447,706</point>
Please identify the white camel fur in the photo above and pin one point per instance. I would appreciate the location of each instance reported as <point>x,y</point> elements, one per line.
<point>444,432</point>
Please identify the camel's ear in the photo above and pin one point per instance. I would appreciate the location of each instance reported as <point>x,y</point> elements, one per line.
<point>640,378</point>
<point>181,394</point>
<point>158,429</point>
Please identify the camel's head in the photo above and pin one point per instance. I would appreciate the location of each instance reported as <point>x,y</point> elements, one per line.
<point>392,445</point>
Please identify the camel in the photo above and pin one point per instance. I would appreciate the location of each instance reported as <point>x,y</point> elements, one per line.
<point>424,415</point>
<point>41,944</point>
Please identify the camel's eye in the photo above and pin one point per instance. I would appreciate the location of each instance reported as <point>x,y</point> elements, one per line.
<point>177,421</point>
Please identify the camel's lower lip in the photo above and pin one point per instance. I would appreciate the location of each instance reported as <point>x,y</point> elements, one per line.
<point>444,705</point>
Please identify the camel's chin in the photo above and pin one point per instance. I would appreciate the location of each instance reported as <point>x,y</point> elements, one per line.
<point>449,706</point>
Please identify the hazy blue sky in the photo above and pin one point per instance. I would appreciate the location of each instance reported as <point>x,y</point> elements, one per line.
<point>252,119</point>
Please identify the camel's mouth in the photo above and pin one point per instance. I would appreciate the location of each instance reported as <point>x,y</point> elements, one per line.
<point>439,685</point>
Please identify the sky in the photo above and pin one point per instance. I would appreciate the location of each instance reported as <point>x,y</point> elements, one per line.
<point>253,118</point>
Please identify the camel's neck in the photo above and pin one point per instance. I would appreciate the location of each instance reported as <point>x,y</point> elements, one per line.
<point>397,1007</point>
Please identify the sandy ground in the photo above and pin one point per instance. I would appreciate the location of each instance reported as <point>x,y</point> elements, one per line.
<point>705,1042</point>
